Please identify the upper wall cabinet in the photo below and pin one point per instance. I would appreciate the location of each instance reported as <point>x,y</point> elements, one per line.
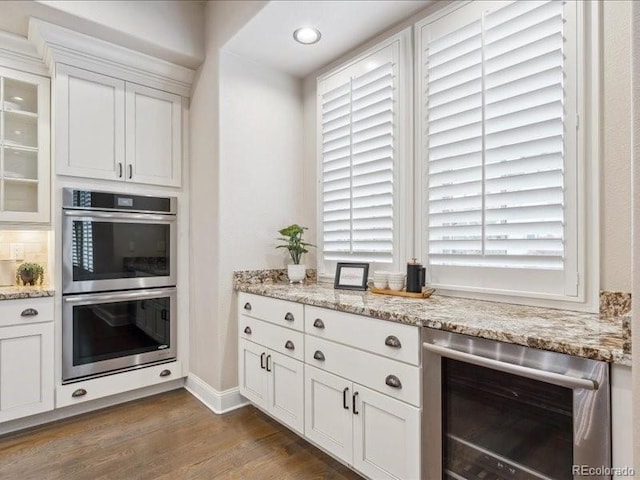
<point>119,114</point>
<point>110,129</point>
<point>24,147</point>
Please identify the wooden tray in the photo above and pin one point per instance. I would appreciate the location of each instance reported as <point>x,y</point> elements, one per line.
<point>426,292</point>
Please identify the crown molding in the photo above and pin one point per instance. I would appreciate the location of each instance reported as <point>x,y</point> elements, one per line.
<point>18,53</point>
<point>55,44</point>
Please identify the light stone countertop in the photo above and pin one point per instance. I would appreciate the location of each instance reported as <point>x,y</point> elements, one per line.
<point>17,292</point>
<point>574,333</point>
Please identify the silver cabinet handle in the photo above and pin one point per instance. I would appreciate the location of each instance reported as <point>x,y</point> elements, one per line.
<point>247,307</point>
<point>289,317</point>
<point>289,345</point>
<point>318,355</point>
<point>165,373</point>
<point>318,323</point>
<point>29,312</point>
<point>527,372</point>
<point>81,392</point>
<point>393,381</point>
<point>392,341</point>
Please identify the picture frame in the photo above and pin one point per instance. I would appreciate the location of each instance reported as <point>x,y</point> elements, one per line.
<point>351,276</point>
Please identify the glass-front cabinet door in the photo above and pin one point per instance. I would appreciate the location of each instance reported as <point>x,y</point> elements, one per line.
<point>24,147</point>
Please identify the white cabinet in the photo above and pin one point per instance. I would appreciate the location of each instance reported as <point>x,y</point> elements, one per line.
<point>26,358</point>
<point>110,129</point>
<point>24,148</point>
<point>362,405</point>
<point>378,435</point>
<point>386,436</point>
<point>153,136</point>
<point>328,416</point>
<point>273,382</point>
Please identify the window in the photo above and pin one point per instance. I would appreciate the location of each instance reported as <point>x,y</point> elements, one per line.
<point>362,110</point>
<point>499,149</point>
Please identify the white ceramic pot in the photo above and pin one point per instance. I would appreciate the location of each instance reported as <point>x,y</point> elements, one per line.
<point>296,273</point>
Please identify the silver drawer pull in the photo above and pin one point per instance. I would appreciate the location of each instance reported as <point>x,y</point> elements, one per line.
<point>247,330</point>
<point>392,341</point>
<point>318,355</point>
<point>318,323</point>
<point>81,392</point>
<point>247,307</point>
<point>165,373</point>
<point>289,345</point>
<point>289,317</point>
<point>393,381</point>
<point>29,312</point>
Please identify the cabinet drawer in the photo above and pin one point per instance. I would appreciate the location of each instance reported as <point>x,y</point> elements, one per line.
<point>393,340</point>
<point>25,311</point>
<point>280,312</point>
<point>86,390</point>
<point>283,340</point>
<point>367,369</point>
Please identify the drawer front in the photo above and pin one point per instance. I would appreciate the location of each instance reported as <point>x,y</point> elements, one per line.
<point>393,340</point>
<point>280,312</point>
<point>282,340</point>
<point>26,310</point>
<point>390,377</point>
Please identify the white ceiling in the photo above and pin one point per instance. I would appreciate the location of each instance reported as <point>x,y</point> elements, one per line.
<point>268,37</point>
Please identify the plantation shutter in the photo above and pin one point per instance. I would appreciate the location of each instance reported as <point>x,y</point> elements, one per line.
<point>357,124</point>
<point>495,96</point>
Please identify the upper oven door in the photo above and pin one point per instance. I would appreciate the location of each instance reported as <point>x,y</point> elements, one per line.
<point>104,251</point>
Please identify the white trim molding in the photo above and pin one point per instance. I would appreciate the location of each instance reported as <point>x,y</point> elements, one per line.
<point>16,52</point>
<point>57,44</point>
<point>217,402</point>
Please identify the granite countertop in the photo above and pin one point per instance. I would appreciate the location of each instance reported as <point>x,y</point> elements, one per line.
<point>17,292</point>
<point>589,335</point>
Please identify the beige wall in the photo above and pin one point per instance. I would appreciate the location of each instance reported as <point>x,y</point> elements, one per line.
<point>635,100</point>
<point>260,180</point>
<point>222,20</point>
<point>615,196</point>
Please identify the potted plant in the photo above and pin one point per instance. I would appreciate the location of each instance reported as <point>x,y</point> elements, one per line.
<point>30,273</point>
<point>292,236</point>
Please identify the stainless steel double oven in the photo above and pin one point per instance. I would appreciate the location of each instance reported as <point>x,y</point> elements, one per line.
<point>119,282</point>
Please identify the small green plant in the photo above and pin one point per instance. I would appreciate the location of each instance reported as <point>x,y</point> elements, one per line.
<point>31,273</point>
<point>292,235</point>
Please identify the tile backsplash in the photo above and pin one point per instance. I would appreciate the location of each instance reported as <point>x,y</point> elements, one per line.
<point>36,247</point>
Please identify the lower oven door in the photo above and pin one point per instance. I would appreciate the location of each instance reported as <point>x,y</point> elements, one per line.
<point>105,332</point>
<point>502,411</point>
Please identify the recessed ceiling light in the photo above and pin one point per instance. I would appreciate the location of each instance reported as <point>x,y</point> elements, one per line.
<point>17,132</point>
<point>18,99</point>
<point>307,35</point>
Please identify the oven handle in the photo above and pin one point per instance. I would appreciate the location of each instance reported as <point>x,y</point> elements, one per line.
<point>527,372</point>
<point>114,297</point>
<point>119,215</point>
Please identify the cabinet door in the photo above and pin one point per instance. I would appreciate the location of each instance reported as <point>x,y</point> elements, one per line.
<point>386,436</point>
<point>154,136</point>
<point>252,374</point>
<point>327,422</point>
<point>26,370</point>
<point>286,390</point>
<point>89,128</point>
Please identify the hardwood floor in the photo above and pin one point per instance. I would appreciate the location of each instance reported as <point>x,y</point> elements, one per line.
<point>170,436</point>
